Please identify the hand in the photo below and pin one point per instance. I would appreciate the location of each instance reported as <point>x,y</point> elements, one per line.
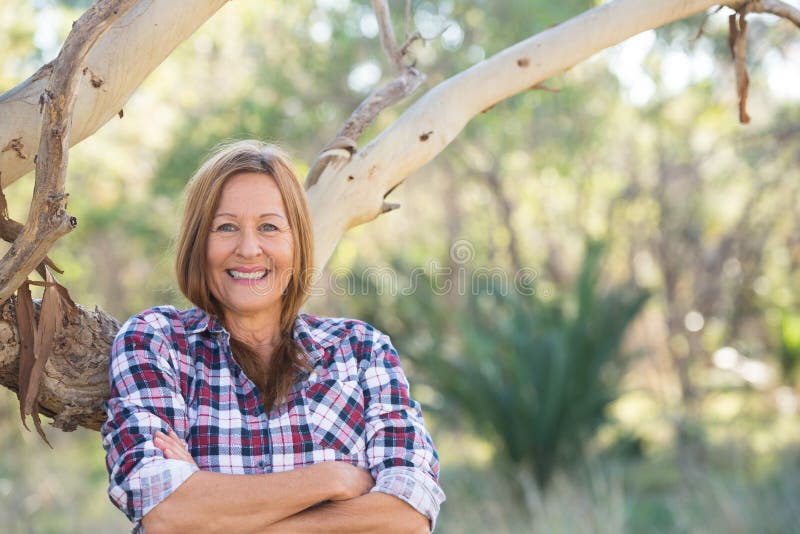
<point>352,481</point>
<point>173,447</point>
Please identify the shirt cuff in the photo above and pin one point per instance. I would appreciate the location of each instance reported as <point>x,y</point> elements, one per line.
<point>154,482</point>
<point>414,487</point>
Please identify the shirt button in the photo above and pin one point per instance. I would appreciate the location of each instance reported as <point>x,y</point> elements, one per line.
<point>261,464</point>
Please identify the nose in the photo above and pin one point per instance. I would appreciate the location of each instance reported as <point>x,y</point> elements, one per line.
<point>248,245</point>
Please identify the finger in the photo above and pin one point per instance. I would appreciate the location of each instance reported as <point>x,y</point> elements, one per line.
<point>171,438</point>
<point>159,442</point>
<point>179,440</point>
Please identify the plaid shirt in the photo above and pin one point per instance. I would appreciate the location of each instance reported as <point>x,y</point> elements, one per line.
<point>174,369</point>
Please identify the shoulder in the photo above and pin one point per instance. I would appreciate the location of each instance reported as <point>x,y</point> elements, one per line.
<point>162,324</point>
<point>158,319</point>
<point>341,339</point>
<point>338,330</point>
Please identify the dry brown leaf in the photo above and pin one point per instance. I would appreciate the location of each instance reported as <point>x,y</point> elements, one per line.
<point>733,33</point>
<point>50,318</point>
<point>26,326</point>
<point>737,42</point>
<point>67,304</point>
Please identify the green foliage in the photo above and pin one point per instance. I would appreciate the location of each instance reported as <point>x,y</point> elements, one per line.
<point>789,346</point>
<point>583,161</point>
<point>535,376</point>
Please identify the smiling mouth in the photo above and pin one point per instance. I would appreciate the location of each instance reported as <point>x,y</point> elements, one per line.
<point>239,275</point>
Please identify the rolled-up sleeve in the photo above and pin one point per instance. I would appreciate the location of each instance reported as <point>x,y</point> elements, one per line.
<point>145,397</point>
<point>400,451</point>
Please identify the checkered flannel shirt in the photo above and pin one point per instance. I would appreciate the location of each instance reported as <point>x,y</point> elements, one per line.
<point>174,369</point>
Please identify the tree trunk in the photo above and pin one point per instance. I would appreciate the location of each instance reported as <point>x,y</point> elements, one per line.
<point>75,380</point>
<point>115,67</point>
<point>74,387</point>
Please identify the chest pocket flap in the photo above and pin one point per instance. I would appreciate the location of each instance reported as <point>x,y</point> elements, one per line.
<point>336,415</point>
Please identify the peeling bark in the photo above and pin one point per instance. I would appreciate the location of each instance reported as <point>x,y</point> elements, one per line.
<point>74,383</point>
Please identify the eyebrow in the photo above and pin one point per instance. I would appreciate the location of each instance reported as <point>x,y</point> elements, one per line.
<point>226,214</point>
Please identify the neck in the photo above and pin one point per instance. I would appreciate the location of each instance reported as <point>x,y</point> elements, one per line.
<point>261,333</point>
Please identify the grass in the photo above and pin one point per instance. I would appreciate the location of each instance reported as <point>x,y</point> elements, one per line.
<point>652,495</point>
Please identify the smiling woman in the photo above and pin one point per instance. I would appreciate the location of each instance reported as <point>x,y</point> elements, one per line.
<point>243,414</point>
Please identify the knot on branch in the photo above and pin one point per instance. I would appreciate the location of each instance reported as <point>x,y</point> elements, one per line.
<point>341,148</point>
<point>94,79</point>
<point>45,99</point>
<point>17,146</point>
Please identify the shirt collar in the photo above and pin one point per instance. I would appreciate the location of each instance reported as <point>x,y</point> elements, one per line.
<point>313,341</point>
<point>197,320</point>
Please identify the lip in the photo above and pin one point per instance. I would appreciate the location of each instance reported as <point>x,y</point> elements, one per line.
<point>247,269</point>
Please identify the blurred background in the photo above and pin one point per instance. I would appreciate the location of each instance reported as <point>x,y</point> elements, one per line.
<point>594,289</point>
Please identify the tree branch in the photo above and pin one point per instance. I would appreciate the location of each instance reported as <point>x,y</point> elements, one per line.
<point>48,219</point>
<point>74,382</point>
<point>407,80</point>
<point>122,58</point>
<point>358,186</point>
<point>388,41</point>
<point>774,7</point>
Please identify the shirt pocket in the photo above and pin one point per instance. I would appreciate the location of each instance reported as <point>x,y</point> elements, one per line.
<point>336,415</point>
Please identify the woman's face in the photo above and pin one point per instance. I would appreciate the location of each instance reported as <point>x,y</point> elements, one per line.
<point>250,249</point>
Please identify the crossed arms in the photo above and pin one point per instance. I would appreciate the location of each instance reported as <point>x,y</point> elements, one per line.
<point>279,502</point>
<point>167,493</point>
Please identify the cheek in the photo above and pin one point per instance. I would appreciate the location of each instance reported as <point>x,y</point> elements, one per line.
<point>215,253</point>
<point>214,258</point>
<point>287,252</point>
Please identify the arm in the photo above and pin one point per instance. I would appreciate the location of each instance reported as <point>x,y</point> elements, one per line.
<point>358,513</point>
<point>214,502</point>
<point>171,494</point>
<point>374,512</point>
<point>400,450</point>
<point>400,454</point>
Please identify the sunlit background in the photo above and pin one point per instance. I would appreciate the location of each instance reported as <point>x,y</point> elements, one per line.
<point>623,354</point>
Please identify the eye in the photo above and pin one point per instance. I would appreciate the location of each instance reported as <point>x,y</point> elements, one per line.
<point>225,227</point>
<point>268,227</point>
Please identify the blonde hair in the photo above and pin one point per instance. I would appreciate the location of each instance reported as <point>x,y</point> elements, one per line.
<point>202,196</point>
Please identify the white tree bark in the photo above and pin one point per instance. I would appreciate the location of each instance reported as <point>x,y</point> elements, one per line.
<point>350,194</point>
<point>116,66</point>
<point>347,194</point>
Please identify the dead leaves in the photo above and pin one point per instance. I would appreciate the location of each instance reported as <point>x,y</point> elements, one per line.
<point>36,341</point>
<point>737,42</point>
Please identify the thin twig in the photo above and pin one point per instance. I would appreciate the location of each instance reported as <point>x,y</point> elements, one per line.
<point>775,7</point>
<point>344,145</point>
<point>388,41</point>
<point>48,219</point>
<point>702,27</point>
<point>407,79</point>
<point>385,96</point>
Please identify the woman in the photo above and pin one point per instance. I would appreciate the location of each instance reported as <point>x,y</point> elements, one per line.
<point>244,415</point>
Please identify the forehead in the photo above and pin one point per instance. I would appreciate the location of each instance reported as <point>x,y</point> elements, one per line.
<point>247,193</point>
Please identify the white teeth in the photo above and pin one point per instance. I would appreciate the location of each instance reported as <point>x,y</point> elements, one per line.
<point>247,276</point>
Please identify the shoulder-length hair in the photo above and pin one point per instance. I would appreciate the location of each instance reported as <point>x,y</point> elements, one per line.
<point>202,196</point>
